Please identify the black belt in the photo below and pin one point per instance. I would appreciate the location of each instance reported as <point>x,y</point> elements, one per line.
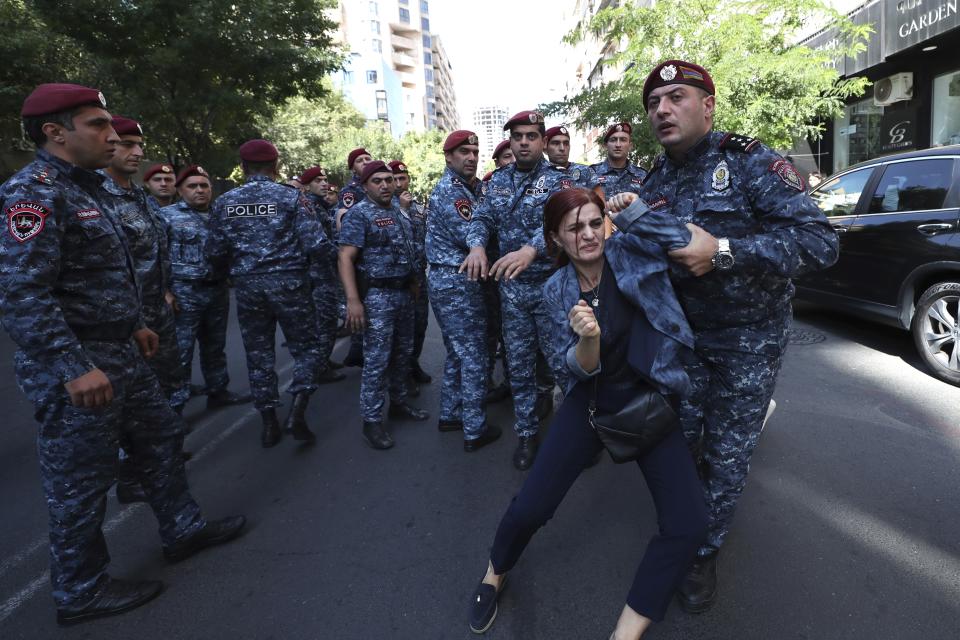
<point>105,330</point>
<point>403,282</point>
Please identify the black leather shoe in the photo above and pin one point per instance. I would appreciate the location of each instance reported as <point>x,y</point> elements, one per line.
<point>224,398</point>
<point>197,390</point>
<point>446,426</point>
<point>419,375</point>
<point>544,405</point>
<point>271,433</point>
<point>376,436</point>
<point>483,606</point>
<point>296,422</point>
<point>403,411</point>
<point>354,358</point>
<point>498,393</point>
<point>698,591</point>
<point>526,452</point>
<point>130,492</point>
<point>490,434</point>
<point>328,376</point>
<point>413,389</point>
<point>213,533</point>
<point>333,364</point>
<point>116,596</point>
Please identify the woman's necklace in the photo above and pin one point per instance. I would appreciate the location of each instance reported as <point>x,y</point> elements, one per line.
<point>595,291</point>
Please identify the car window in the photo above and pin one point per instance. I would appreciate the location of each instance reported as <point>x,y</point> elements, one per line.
<point>913,186</point>
<point>839,196</point>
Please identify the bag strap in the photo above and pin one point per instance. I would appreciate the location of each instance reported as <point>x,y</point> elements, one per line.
<point>592,403</point>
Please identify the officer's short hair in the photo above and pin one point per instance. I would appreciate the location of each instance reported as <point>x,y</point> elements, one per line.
<point>258,167</point>
<point>33,125</point>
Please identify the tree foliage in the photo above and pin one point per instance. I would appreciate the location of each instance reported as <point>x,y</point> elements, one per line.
<point>767,87</point>
<point>196,74</point>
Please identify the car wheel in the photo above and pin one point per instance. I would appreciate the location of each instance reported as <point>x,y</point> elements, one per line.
<point>936,330</point>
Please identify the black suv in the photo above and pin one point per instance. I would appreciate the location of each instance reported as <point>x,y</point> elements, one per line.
<point>897,218</point>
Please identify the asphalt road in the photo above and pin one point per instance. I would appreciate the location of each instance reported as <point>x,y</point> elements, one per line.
<point>848,527</point>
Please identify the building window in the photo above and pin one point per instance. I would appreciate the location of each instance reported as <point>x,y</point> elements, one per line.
<point>371,77</point>
<point>382,105</point>
<point>373,8</point>
<point>945,125</point>
<point>856,134</point>
<point>377,45</point>
<point>428,74</point>
<point>374,26</point>
<point>425,24</point>
<point>348,77</point>
<point>426,41</point>
<point>427,57</point>
<point>404,15</point>
<point>424,6</point>
<point>430,91</point>
<point>431,108</point>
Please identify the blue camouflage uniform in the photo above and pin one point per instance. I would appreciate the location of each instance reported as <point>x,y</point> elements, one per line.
<point>736,188</point>
<point>384,237</point>
<point>326,283</point>
<point>146,237</point>
<point>459,304</point>
<point>267,236</point>
<point>351,194</point>
<point>512,208</point>
<point>70,301</point>
<point>421,302</point>
<point>614,181</point>
<point>578,175</point>
<point>202,293</point>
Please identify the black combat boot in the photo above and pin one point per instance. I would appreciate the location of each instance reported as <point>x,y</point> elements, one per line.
<point>403,411</point>
<point>419,375</point>
<point>130,492</point>
<point>113,597</point>
<point>271,433</point>
<point>526,452</point>
<point>296,423</point>
<point>699,587</point>
<point>376,436</point>
<point>224,398</point>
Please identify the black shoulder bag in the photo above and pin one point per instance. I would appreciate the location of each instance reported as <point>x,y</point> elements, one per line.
<point>637,427</point>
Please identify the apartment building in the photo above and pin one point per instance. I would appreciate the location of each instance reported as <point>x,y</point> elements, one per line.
<point>488,124</point>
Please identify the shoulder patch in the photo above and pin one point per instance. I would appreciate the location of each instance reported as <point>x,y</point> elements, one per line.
<point>43,175</point>
<point>464,208</point>
<point>348,199</point>
<point>25,220</point>
<point>736,142</point>
<point>788,173</point>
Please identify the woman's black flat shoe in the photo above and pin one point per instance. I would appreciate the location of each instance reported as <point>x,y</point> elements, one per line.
<point>483,607</point>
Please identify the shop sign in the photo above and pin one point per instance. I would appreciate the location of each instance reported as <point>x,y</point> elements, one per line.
<point>910,22</point>
<point>898,130</point>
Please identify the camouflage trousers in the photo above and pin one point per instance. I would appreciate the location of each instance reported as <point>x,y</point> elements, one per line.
<point>263,302</point>
<point>459,305</point>
<point>78,462</point>
<point>387,349</point>
<point>166,363</point>
<point>491,297</point>
<point>526,329</point>
<point>203,318</point>
<point>732,380</point>
<point>421,315</point>
<point>326,301</point>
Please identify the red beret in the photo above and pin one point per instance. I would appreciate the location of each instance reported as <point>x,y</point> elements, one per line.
<point>677,72</point>
<point>192,170</point>
<point>524,117</point>
<point>487,177</point>
<point>459,137</point>
<point>397,166</point>
<point>503,146</point>
<point>258,151</point>
<point>54,98</point>
<point>333,187</point>
<point>375,166</point>
<point>126,126</point>
<point>556,131</point>
<point>620,127</point>
<point>311,174</point>
<point>157,168</point>
<point>356,153</point>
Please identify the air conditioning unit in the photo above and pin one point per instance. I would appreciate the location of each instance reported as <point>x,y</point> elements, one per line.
<point>892,89</point>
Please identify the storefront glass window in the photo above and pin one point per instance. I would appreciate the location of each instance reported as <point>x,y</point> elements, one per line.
<point>945,126</point>
<point>856,134</point>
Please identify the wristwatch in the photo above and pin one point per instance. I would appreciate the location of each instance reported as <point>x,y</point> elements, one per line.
<point>723,259</point>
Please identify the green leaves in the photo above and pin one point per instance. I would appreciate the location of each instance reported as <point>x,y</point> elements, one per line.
<point>767,87</point>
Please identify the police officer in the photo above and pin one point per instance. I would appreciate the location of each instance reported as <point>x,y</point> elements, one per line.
<point>200,290</point>
<point>617,174</point>
<point>557,148</point>
<point>513,209</point>
<point>458,301</point>
<point>421,304</point>
<point>69,300</point>
<point>268,236</point>
<point>323,276</point>
<point>332,196</point>
<point>160,182</point>
<point>378,236</point>
<point>502,156</point>
<point>350,195</point>
<point>744,228</point>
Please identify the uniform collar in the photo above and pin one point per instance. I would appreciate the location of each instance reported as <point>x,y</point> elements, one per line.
<point>110,185</point>
<point>695,152</point>
<point>259,178</point>
<point>58,165</point>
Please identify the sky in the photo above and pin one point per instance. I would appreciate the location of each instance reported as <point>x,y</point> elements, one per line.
<point>485,40</point>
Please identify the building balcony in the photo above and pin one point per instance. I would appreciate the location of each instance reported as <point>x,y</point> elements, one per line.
<point>403,62</point>
<point>405,29</point>
<point>403,44</point>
